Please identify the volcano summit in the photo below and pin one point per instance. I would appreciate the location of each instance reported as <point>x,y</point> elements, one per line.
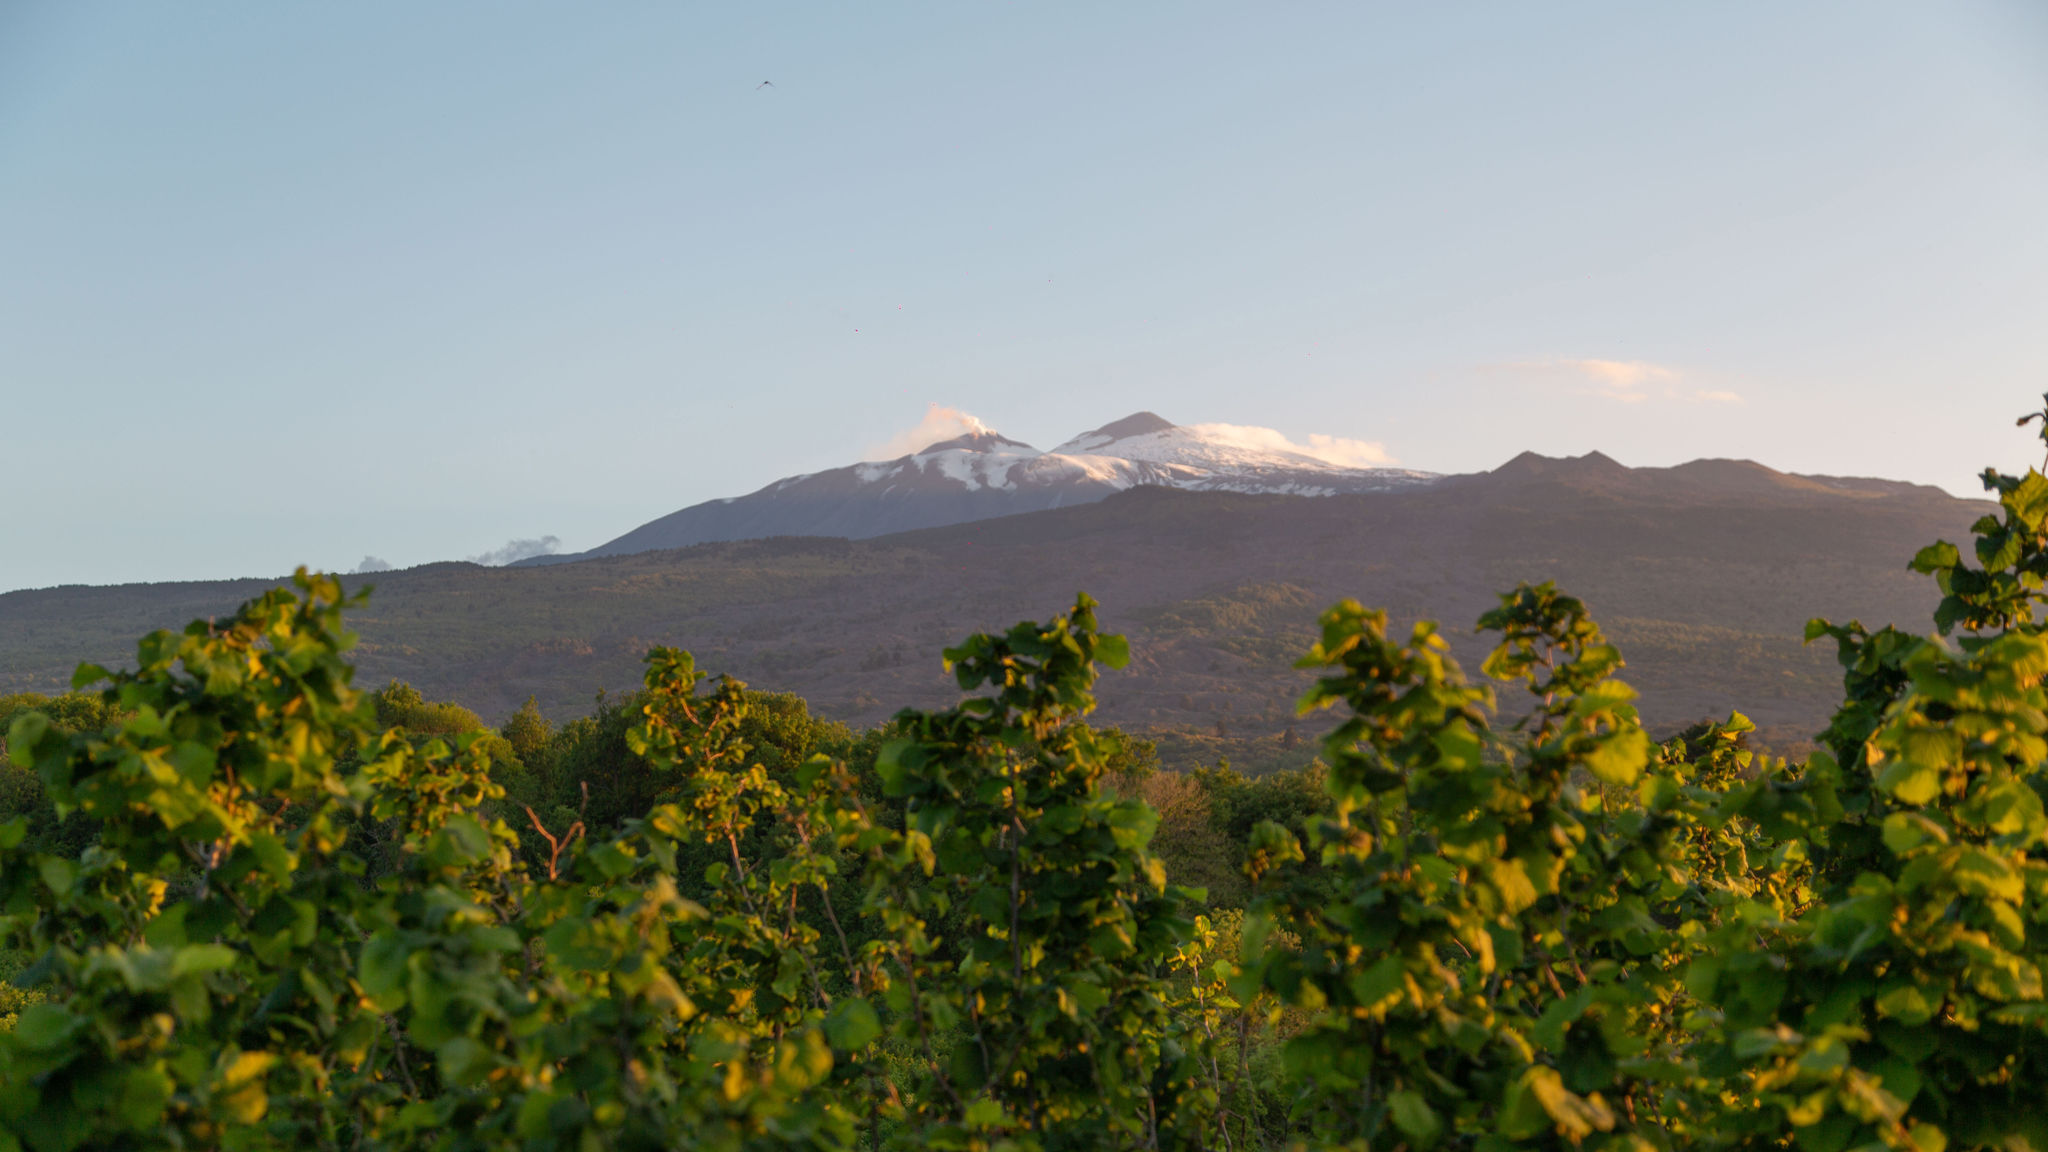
<point>984,474</point>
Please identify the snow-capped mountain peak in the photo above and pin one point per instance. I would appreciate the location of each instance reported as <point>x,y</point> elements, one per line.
<point>982,473</point>
<point>1136,424</point>
<point>985,440</point>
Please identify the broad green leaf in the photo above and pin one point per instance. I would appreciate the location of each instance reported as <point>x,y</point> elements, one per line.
<point>852,1024</point>
<point>27,731</point>
<point>984,1113</point>
<point>1933,558</point>
<point>1414,1117</point>
<point>1911,781</point>
<point>196,959</point>
<point>1112,651</point>
<point>59,874</point>
<point>1905,831</point>
<point>383,970</point>
<point>272,856</point>
<point>1619,758</point>
<point>464,1060</point>
<point>1908,1004</point>
<point>44,1027</point>
<point>1380,986</point>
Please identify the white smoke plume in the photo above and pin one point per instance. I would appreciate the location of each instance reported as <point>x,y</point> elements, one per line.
<point>939,424</point>
<point>1347,453</point>
<point>518,550</point>
<point>372,564</point>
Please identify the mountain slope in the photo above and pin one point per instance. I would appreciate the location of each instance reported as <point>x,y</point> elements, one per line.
<point>1703,574</point>
<point>984,475</point>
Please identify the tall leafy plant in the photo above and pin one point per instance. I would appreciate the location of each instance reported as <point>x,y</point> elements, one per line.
<point>1044,1016</point>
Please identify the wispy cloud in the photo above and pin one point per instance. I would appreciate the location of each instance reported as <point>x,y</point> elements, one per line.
<point>1621,380</point>
<point>1338,450</point>
<point>1629,381</point>
<point>518,550</point>
<point>939,424</point>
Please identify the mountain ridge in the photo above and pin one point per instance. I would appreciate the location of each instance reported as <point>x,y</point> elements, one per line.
<point>1704,583</point>
<point>983,474</point>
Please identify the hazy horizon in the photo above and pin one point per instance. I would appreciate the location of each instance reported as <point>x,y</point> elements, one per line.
<point>304,285</point>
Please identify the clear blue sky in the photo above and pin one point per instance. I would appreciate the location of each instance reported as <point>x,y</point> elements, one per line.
<point>293,283</point>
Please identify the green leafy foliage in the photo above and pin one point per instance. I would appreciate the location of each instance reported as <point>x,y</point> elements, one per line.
<point>245,905</point>
<point>1047,1022</point>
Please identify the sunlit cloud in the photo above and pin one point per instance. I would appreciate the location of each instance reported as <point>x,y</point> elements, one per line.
<point>1337,450</point>
<point>939,424</point>
<point>1621,380</point>
<point>1626,381</point>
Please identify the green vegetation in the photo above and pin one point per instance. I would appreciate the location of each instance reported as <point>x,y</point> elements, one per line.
<point>247,905</point>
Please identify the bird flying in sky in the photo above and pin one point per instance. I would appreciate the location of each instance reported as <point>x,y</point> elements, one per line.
<point>764,84</point>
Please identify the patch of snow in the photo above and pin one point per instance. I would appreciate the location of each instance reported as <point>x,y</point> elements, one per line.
<point>1192,447</point>
<point>1054,467</point>
<point>957,464</point>
<point>1206,457</point>
<point>1081,444</point>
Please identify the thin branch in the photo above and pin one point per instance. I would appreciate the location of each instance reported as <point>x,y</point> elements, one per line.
<point>555,847</point>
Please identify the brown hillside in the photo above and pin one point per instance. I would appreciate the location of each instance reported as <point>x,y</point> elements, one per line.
<point>1704,574</point>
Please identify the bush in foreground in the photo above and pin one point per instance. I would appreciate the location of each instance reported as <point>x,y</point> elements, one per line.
<point>287,924</point>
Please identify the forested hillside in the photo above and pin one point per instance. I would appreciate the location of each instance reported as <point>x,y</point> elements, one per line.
<point>1705,573</point>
